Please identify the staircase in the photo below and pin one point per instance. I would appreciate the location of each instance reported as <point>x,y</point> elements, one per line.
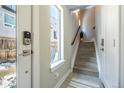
<point>86,59</point>
<point>85,73</point>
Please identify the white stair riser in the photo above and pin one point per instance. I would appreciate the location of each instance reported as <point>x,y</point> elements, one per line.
<point>85,72</point>
<point>86,64</point>
<point>86,60</point>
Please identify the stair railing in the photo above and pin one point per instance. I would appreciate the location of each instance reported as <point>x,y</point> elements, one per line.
<point>75,36</point>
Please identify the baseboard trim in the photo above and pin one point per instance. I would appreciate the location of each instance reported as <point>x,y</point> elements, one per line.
<point>63,79</point>
<point>106,85</point>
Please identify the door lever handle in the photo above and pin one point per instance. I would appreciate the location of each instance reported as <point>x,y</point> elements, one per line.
<point>25,53</point>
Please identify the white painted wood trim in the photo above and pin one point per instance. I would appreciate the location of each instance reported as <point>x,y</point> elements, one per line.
<point>97,59</point>
<point>63,79</point>
<point>35,48</point>
<point>74,56</point>
<point>57,65</point>
<point>106,85</point>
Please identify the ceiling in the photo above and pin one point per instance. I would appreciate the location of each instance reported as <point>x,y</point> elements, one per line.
<point>74,7</point>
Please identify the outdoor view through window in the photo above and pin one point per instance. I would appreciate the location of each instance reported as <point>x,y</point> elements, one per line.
<point>55,40</point>
<point>7,46</point>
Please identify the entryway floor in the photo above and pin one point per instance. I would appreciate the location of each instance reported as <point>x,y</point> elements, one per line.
<point>77,80</point>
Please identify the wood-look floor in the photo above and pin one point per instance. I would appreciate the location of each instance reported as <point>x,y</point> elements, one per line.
<point>85,73</point>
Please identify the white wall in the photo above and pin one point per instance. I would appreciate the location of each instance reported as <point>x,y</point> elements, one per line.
<point>107,27</point>
<point>46,77</point>
<point>122,48</point>
<point>88,22</point>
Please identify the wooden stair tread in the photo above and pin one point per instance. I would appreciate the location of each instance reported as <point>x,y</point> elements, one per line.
<point>84,68</point>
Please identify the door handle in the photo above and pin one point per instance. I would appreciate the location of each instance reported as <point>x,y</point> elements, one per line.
<point>25,53</point>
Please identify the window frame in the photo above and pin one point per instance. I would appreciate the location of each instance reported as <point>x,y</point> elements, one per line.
<point>5,23</point>
<point>55,65</point>
<point>9,8</point>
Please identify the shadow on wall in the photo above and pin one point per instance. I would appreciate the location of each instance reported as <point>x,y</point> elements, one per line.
<point>89,35</point>
<point>88,23</point>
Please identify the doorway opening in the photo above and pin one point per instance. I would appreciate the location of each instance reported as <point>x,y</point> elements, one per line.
<point>8,46</point>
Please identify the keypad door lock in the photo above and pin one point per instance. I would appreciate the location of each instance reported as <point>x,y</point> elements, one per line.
<point>26,38</point>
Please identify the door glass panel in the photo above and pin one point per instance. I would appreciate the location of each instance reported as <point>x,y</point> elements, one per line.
<point>7,46</point>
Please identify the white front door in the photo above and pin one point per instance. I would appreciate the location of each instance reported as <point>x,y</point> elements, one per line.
<point>24,51</point>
